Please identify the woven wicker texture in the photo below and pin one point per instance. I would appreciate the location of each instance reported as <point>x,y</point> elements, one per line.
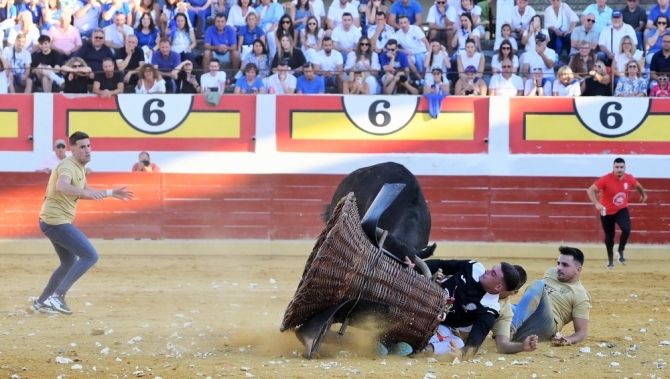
<point>345,265</point>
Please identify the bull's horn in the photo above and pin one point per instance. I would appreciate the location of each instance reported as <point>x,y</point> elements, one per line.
<point>423,267</point>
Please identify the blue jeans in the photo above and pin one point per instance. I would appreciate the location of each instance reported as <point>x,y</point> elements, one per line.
<point>200,15</point>
<point>640,40</point>
<point>76,254</point>
<point>533,314</point>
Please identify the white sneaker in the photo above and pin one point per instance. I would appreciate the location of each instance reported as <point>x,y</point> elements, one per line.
<point>42,308</point>
<point>58,303</point>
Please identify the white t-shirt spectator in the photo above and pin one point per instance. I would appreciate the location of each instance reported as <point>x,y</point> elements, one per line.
<point>18,61</point>
<point>112,34</point>
<point>4,84</point>
<point>506,87</point>
<point>159,86</point>
<point>535,60</point>
<point>412,40</point>
<point>495,63</point>
<point>562,21</point>
<point>31,37</point>
<point>530,85</point>
<point>611,38</point>
<point>236,18</point>
<point>462,37</point>
<point>476,11</point>
<point>384,37</point>
<point>473,61</point>
<point>291,82</point>
<point>346,39</point>
<point>530,45</point>
<point>319,9</point>
<point>329,63</point>
<point>518,21</point>
<point>209,81</point>
<point>622,60</point>
<point>435,17</point>
<point>89,21</point>
<point>572,89</point>
<point>353,63</point>
<point>335,12</point>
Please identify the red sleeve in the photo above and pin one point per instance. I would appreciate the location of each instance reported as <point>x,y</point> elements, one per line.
<point>601,183</point>
<point>156,168</point>
<point>654,90</point>
<point>632,181</point>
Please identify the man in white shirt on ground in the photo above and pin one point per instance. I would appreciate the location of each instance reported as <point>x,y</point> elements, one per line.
<point>346,36</point>
<point>506,83</point>
<point>282,82</point>
<point>610,37</point>
<point>115,34</point>
<point>337,11</point>
<point>542,56</point>
<point>330,64</point>
<point>413,42</point>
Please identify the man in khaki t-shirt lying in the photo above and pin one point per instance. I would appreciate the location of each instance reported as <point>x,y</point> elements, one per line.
<point>556,300</point>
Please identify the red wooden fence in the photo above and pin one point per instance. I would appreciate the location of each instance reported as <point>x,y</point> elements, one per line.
<point>288,206</point>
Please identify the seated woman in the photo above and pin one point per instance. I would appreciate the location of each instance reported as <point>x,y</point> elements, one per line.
<point>470,57</point>
<point>76,74</point>
<point>183,38</point>
<point>356,84</point>
<point>566,85</point>
<point>537,85</point>
<point>438,84</point>
<point>470,84</point>
<point>148,36</point>
<point>187,79</point>
<point>286,51</point>
<point>247,34</point>
<point>302,12</point>
<point>150,80</point>
<point>237,17</point>
<point>506,51</point>
<point>598,82</point>
<point>259,57</point>
<point>365,60</point>
<point>631,85</point>
<point>311,37</point>
<point>505,35</point>
<point>149,7</point>
<point>250,83</point>
<point>655,38</point>
<point>438,57</point>
<point>627,52</point>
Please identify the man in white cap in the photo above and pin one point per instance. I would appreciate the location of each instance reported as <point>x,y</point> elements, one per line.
<point>50,162</point>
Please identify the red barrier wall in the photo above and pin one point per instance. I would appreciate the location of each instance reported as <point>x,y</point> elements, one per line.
<point>286,206</point>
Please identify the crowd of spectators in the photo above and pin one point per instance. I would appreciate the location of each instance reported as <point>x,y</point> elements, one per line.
<point>107,47</point>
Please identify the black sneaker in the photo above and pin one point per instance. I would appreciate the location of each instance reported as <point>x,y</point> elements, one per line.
<point>58,303</point>
<point>610,266</point>
<point>42,308</point>
<point>622,260</point>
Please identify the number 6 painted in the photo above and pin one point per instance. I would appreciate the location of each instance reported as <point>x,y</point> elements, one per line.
<point>154,114</point>
<point>611,118</point>
<point>380,115</point>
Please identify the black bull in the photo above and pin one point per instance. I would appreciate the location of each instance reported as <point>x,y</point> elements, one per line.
<point>407,219</point>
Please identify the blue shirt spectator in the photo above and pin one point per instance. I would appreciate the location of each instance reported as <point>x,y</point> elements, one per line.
<point>409,8</point>
<point>249,36</point>
<point>244,85</point>
<point>165,63</point>
<point>603,18</point>
<point>25,7</point>
<point>401,62</point>
<point>314,86</point>
<point>225,37</point>
<point>271,16</point>
<point>656,11</point>
<point>659,41</point>
<point>12,12</point>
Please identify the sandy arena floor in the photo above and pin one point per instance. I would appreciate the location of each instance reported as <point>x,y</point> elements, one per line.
<point>204,315</point>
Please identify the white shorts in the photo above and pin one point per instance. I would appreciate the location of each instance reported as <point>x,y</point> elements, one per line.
<point>441,340</point>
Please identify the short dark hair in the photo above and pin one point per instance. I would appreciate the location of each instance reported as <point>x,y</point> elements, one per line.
<point>144,152</point>
<point>164,39</point>
<point>326,38</point>
<point>392,41</point>
<point>42,39</point>
<point>510,276</point>
<point>380,13</point>
<point>308,65</point>
<point>221,15</point>
<point>619,160</point>
<point>403,16</point>
<point>77,136</point>
<point>574,252</point>
<point>347,14</point>
<point>523,277</point>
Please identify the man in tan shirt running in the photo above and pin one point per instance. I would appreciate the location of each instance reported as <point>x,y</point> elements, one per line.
<point>67,184</point>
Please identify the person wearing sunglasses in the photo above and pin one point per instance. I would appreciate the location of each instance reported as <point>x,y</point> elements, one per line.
<point>601,12</point>
<point>633,84</point>
<point>661,89</point>
<point>598,82</point>
<point>660,9</point>
<point>655,37</point>
<point>584,32</point>
<point>505,35</point>
<point>441,20</point>
<point>583,62</point>
<point>507,83</point>
<point>76,74</point>
<point>95,52</point>
<point>542,57</point>
<point>660,61</point>
<point>311,37</point>
<point>51,161</point>
<point>625,54</point>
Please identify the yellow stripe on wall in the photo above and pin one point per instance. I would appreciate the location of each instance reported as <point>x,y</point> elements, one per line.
<point>9,124</point>
<point>337,126</point>
<point>197,125</point>
<point>569,128</point>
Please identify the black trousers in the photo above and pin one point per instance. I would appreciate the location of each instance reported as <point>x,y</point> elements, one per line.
<point>609,222</point>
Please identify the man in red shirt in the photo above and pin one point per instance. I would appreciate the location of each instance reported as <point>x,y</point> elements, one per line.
<point>613,206</point>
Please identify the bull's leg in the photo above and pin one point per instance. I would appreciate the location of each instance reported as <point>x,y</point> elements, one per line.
<point>422,267</point>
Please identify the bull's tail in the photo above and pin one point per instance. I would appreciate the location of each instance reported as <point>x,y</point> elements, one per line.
<point>427,251</point>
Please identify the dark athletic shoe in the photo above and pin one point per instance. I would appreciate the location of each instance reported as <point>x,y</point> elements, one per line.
<point>622,260</point>
<point>42,308</point>
<point>610,266</point>
<point>58,303</point>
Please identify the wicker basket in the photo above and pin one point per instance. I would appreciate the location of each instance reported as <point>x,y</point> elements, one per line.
<point>345,265</point>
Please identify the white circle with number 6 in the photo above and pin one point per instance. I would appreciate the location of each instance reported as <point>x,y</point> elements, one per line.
<point>611,117</point>
<point>380,115</point>
<point>154,114</point>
